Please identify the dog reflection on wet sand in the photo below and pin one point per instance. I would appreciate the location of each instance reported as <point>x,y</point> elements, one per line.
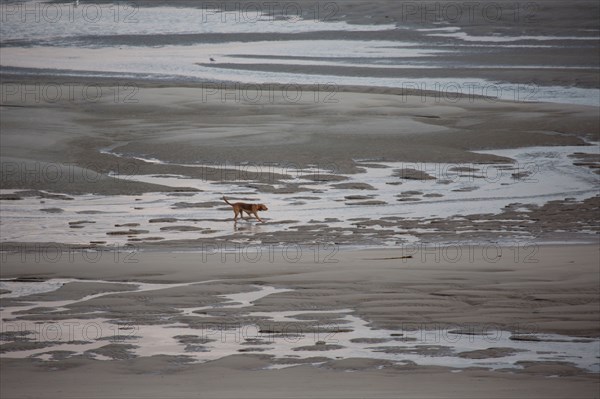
<point>251,209</point>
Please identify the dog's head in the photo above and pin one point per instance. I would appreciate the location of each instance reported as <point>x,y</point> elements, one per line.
<point>262,207</point>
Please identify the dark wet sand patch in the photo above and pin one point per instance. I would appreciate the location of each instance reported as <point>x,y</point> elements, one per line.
<point>353,186</point>
<point>591,161</point>
<point>34,193</point>
<point>24,345</point>
<point>425,350</point>
<point>463,169</point>
<point>323,177</point>
<point>382,223</point>
<point>412,174</point>
<point>255,341</point>
<point>465,189</point>
<point>193,339</point>
<point>194,343</point>
<point>358,197</point>
<point>163,220</point>
<point>309,227</point>
<point>173,220</point>
<point>245,350</point>
<point>520,175</point>
<point>366,203</point>
<point>409,193</point>
<point>52,210</point>
<point>115,351</point>
<point>16,336</point>
<point>526,338</point>
<point>127,232</point>
<point>10,197</point>
<point>80,223</point>
<point>427,116</point>
<point>319,346</point>
<point>181,228</point>
<point>370,340</point>
<point>489,353</point>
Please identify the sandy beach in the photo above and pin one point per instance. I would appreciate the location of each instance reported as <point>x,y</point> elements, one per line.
<point>432,184</point>
<point>528,296</point>
<point>414,290</point>
<point>424,166</point>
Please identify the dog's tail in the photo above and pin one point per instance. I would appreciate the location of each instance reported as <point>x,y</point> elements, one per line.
<point>228,203</point>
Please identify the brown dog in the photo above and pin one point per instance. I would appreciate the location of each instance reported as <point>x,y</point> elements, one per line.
<point>251,209</point>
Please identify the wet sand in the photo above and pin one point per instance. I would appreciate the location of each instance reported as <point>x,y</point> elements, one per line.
<point>505,43</point>
<point>360,311</point>
<point>553,290</point>
<point>172,152</point>
<point>388,289</point>
<point>329,130</point>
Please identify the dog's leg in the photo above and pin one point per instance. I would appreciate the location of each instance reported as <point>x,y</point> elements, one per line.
<point>259,219</point>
